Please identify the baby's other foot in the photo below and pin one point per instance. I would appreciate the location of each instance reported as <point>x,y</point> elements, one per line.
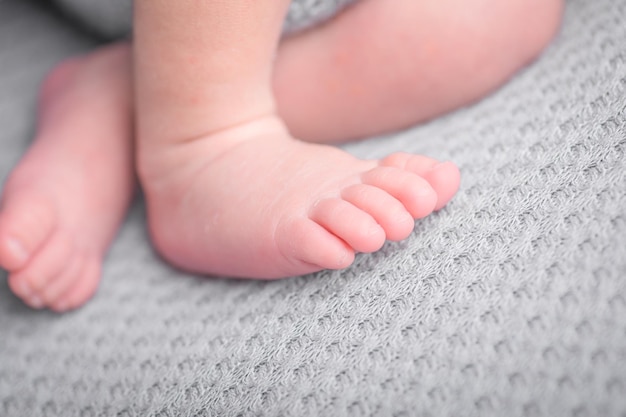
<point>63,203</point>
<point>251,201</point>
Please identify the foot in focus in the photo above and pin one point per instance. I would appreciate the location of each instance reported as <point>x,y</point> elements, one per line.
<point>251,201</point>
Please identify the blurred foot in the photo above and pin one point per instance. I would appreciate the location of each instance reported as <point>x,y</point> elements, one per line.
<point>64,202</point>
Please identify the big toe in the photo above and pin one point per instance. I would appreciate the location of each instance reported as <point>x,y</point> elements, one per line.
<point>445,178</point>
<point>46,265</point>
<point>25,224</point>
<point>413,191</point>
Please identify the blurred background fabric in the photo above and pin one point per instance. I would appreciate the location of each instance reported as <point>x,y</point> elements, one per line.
<point>111,19</point>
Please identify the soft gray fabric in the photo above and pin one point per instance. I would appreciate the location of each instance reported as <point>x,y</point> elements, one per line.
<point>112,18</point>
<point>509,302</point>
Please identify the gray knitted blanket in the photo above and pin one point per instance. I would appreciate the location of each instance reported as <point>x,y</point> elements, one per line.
<point>509,302</point>
<point>112,19</point>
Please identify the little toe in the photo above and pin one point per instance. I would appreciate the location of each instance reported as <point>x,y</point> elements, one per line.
<point>84,289</point>
<point>351,224</point>
<point>307,242</point>
<point>413,191</point>
<point>388,212</point>
<point>24,227</point>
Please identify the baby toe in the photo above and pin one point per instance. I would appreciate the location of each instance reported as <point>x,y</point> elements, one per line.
<point>417,164</point>
<point>413,191</point>
<point>20,287</point>
<point>305,241</point>
<point>25,226</point>
<point>58,288</point>
<point>46,265</point>
<point>84,287</point>
<point>388,212</point>
<point>445,178</point>
<point>349,223</point>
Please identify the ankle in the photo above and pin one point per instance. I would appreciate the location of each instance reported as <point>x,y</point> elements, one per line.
<point>155,159</point>
<point>171,117</point>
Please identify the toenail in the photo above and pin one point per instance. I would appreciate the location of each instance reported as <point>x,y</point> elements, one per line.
<point>425,192</point>
<point>374,230</point>
<point>344,259</point>
<point>404,217</point>
<point>439,165</point>
<point>17,250</point>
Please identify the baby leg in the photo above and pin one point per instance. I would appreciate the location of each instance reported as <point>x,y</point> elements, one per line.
<point>384,65</point>
<point>63,203</point>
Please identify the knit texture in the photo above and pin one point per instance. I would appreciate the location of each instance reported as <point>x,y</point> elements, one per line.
<point>112,19</point>
<point>509,302</point>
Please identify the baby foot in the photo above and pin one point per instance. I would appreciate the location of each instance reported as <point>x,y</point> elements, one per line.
<point>250,201</point>
<point>65,200</point>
